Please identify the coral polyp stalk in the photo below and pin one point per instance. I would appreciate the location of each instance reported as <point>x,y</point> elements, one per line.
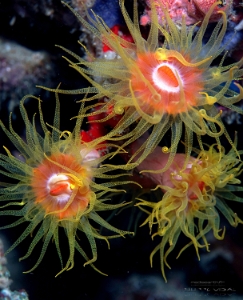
<point>55,186</point>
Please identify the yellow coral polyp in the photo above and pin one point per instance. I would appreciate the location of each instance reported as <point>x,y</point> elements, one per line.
<point>55,186</point>
<point>192,202</point>
<point>162,87</point>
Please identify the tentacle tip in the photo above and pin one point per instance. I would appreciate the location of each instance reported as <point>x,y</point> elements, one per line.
<point>58,274</point>
<point>89,262</point>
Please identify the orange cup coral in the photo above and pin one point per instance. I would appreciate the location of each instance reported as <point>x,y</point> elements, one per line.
<point>162,87</point>
<point>55,186</point>
<point>194,196</point>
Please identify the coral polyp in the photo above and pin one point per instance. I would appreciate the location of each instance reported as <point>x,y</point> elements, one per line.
<point>194,197</point>
<point>60,192</point>
<point>55,186</point>
<point>161,86</point>
<point>171,79</point>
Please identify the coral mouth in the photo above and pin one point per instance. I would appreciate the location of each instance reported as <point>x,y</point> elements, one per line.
<point>166,76</point>
<point>59,186</point>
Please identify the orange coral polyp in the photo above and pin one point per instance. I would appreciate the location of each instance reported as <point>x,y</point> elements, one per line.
<point>183,97</point>
<point>163,84</point>
<point>54,187</point>
<point>195,196</point>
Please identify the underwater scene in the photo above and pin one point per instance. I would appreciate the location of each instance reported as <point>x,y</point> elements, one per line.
<point>121,158</point>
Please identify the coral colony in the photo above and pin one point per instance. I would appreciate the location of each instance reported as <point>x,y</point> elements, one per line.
<point>154,93</point>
